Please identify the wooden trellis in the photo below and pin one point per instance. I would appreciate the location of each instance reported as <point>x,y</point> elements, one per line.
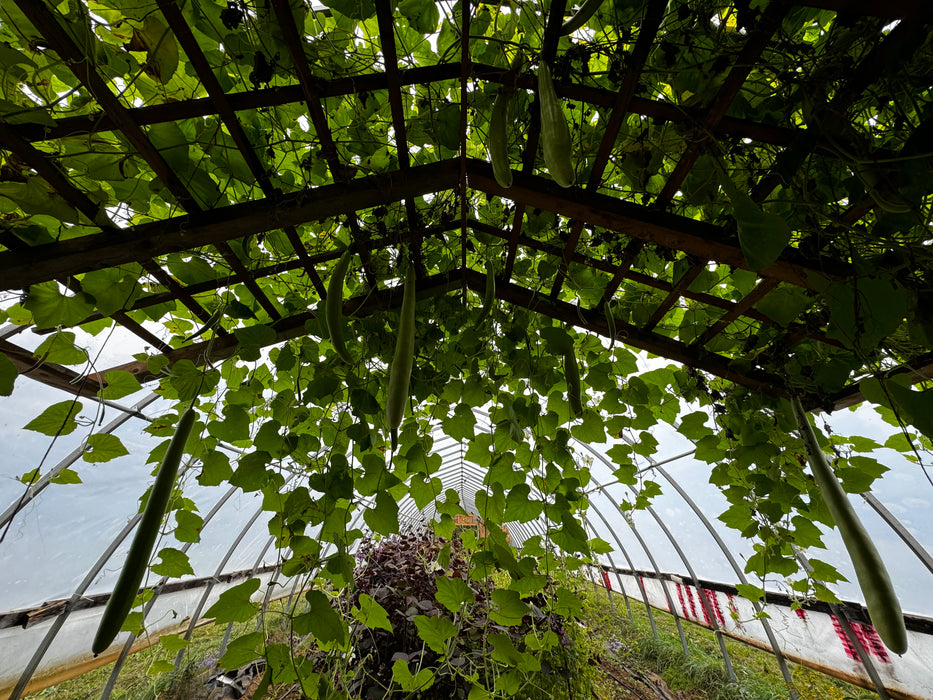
<point>635,225</point>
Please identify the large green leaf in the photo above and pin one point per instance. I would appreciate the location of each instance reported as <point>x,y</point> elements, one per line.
<point>51,308</point>
<point>57,419</point>
<point>762,235</point>
<point>234,604</point>
<point>435,631</point>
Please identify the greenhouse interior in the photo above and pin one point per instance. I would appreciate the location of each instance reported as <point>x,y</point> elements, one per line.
<point>475,349</point>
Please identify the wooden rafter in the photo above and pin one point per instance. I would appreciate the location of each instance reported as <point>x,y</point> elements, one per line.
<point>668,230</point>
<point>94,252</point>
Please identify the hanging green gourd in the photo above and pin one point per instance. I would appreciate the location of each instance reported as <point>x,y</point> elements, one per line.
<point>333,306</point>
<point>555,135</point>
<point>400,369</point>
<point>880,599</point>
<point>124,593</point>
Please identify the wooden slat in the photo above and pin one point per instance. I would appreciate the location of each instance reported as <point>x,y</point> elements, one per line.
<point>676,292</point>
<point>747,302</point>
<point>603,265</point>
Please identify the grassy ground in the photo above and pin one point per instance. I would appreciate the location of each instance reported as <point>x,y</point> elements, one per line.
<point>631,664</point>
<point>632,654</point>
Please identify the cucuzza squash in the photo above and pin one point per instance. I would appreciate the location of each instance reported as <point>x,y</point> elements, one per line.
<point>555,135</point>
<point>489,296</point>
<point>124,593</point>
<point>499,140</point>
<point>333,306</point>
<point>880,599</point>
<point>400,369</point>
<point>572,377</point>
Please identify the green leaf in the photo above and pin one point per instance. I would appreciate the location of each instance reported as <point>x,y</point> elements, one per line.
<point>454,592</point>
<point>383,517</point>
<point>520,507</point>
<point>511,608</point>
<point>189,381</point>
<point>113,288</point>
<point>8,374</point>
<point>57,419</point>
<point>557,339</point>
<point>234,426</point>
<point>784,304</point>
<point>173,643</point>
<point>423,489</point>
<point>234,604</point>
<point>242,650</point>
<point>215,468</point>
<point>251,339</point>
<point>355,9</point>
<point>435,631</point>
<point>568,603</point>
<point>102,447</point>
<point>460,426</point>
<point>60,348</point>
<point>65,476</point>
<point>422,15</point>
<point>749,591</point>
<point>421,681</point>
<point>36,196</point>
<point>591,430</point>
<point>174,563</point>
<point>161,49</point>
<point>693,425</point>
<point>51,308</point>
<point>323,621</point>
<point>371,614</point>
<point>763,236</point>
<point>189,526</point>
<point>119,384</point>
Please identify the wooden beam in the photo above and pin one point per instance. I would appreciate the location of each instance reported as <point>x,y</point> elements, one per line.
<point>294,326</point>
<point>49,373</point>
<point>44,262</point>
<point>920,369</point>
<point>595,322</point>
<point>669,230</point>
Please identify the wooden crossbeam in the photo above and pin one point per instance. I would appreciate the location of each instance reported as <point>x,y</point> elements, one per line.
<point>39,263</point>
<point>48,373</point>
<point>629,334</point>
<point>293,326</point>
<point>669,230</point>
